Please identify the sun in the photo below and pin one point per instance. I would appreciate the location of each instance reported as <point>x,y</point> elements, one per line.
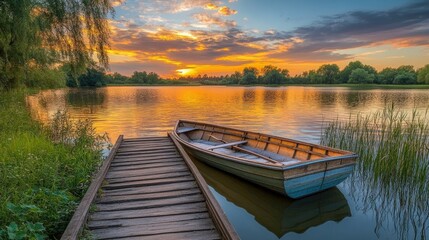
<point>184,71</point>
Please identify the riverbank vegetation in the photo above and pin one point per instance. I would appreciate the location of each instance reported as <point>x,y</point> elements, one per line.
<point>355,73</point>
<point>393,164</point>
<point>44,170</point>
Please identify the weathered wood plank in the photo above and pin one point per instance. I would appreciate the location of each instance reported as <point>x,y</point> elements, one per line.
<point>145,149</point>
<point>152,189</point>
<point>140,204</point>
<point>148,182</point>
<point>143,172</point>
<point>160,228</point>
<point>153,151</point>
<point>148,139</point>
<point>145,145</point>
<point>146,156</point>
<point>147,196</point>
<point>195,235</point>
<point>149,177</point>
<point>172,210</point>
<point>146,220</point>
<point>145,161</point>
<point>145,166</point>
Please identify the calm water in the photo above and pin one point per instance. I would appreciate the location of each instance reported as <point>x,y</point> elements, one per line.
<point>295,112</point>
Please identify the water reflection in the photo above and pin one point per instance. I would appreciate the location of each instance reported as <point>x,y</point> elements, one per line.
<point>295,112</point>
<point>278,214</point>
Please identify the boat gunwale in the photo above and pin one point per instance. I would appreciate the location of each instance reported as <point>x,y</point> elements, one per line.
<point>261,164</point>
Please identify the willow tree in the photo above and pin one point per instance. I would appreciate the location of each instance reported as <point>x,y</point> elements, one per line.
<point>46,33</point>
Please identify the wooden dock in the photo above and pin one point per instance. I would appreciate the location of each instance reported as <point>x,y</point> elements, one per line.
<point>150,189</point>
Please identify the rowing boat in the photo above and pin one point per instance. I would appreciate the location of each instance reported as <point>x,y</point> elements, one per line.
<point>290,167</point>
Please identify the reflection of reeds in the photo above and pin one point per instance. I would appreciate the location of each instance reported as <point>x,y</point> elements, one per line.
<point>393,168</point>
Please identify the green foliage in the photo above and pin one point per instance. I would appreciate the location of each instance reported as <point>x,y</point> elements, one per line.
<point>41,33</point>
<point>347,71</point>
<point>423,75</point>
<point>360,75</point>
<point>329,73</point>
<point>44,171</point>
<point>405,78</point>
<point>92,78</point>
<point>274,75</point>
<point>249,78</point>
<point>251,70</point>
<point>44,78</point>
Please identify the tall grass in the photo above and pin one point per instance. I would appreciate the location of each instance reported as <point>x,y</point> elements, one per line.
<point>44,170</point>
<point>393,168</point>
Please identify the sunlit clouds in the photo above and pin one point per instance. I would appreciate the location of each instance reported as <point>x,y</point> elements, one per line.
<point>191,37</point>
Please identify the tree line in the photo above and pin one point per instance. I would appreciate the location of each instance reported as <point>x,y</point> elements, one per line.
<point>354,73</point>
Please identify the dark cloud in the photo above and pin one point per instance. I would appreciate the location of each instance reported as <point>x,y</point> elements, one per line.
<point>127,68</point>
<point>408,25</point>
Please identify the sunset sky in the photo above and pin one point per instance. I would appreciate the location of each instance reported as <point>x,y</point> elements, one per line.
<point>190,37</point>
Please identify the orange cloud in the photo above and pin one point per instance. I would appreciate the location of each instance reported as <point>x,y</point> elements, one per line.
<point>226,11</point>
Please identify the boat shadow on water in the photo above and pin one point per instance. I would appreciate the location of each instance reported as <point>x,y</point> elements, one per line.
<point>277,213</point>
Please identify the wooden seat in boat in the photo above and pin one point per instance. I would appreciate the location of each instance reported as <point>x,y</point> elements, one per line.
<point>227,145</point>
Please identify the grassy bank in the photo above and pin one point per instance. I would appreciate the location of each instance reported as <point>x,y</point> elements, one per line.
<point>43,173</point>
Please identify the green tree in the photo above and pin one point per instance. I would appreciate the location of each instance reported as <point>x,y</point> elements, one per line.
<point>423,75</point>
<point>44,32</point>
<point>92,78</point>
<point>387,75</point>
<point>329,73</point>
<point>139,77</point>
<point>274,75</point>
<point>248,78</point>
<point>345,73</point>
<point>405,78</point>
<point>250,70</point>
<point>360,75</point>
<point>152,78</point>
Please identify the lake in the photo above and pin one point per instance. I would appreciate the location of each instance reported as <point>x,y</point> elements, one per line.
<point>293,112</point>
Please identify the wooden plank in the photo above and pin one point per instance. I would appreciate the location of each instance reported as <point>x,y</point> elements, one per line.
<point>151,189</point>
<point>147,196</point>
<point>219,218</point>
<point>145,166</point>
<point>195,235</point>
<point>151,155</point>
<point>148,182</point>
<point>141,139</point>
<point>149,177</point>
<point>148,204</point>
<point>145,158</point>
<point>145,161</point>
<point>153,151</point>
<point>172,210</point>
<point>230,144</point>
<point>145,144</point>
<point>144,173</point>
<point>148,149</point>
<point>174,227</point>
<point>80,215</point>
<point>146,220</point>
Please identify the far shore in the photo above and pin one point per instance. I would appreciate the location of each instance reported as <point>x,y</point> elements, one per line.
<point>353,86</point>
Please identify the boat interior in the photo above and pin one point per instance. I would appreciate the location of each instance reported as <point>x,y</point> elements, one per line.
<point>251,146</point>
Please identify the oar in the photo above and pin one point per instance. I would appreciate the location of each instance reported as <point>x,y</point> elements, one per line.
<point>248,151</point>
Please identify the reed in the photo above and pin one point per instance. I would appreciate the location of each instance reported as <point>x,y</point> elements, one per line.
<point>392,171</point>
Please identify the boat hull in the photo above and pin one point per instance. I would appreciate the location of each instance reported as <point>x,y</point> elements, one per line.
<point>290,167</point>
<point>277,179</point>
